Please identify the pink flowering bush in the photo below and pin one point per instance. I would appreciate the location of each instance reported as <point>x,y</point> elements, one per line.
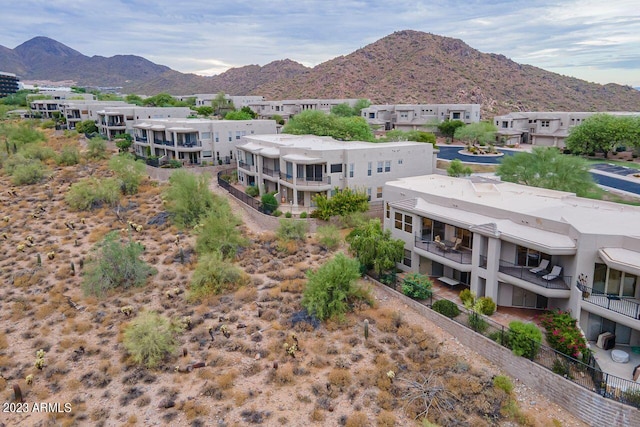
<point>564,335</point>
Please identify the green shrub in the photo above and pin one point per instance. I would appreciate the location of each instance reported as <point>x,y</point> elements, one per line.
<point>446,308</point>
<point>341,203</point>
<point>92,193</point>
<point>503,383</point>
<point>269,203</point>
<point>632,396</point>
<point>477,323</point>
<point>486,306</point>
<point>97,148</point>
<point>149,338</point>
<point>130,172</point>
<point>288,214</point>
<point>331,290</point>
<point>37,151</point>
<point>417,286</point>
<point>219,231</point>
<point>174,164</point>
<point>303,215</point>
<point>328,236</point>
<point>30,172</point>
<point>562,368</point>
<point>48,124</point>
<point>214,275</point>
<point>188,197</point>
<point>354,220</point>
<point>252,191</point>
<point>524,339</point>
<point>457,168</point>
<point>277,213</point>
<point>69,156</point>
<point>115,265</point>
<point>564,335</point>
<point>467,297</point>
<point>291,230</point>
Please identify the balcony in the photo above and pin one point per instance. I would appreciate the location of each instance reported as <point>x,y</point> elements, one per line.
<point>142,139</point>
<point>622,305</point>
<point>245,166</point>
<point>307,181</point>
<point>163,142</point>
<point>116,124</point>
<point>461,256</point>
<point>521,272</point>
<point>270,172</point>
<point>190,144</point>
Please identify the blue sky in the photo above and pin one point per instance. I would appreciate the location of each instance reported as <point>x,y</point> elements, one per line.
<point>593,40</point>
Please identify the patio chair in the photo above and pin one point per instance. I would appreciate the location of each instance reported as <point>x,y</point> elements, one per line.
<point>456,244</point>
<point>555,273</point>
<point>541,267</point>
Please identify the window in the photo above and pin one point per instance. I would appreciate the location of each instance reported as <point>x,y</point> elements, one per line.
<point>369,166</point>
<point>408,224</point>
<point>206,135</point>
<point>238,134</point>
<point>403,222</point>
<point>387,166</point>
<point>207,154</point>
<point>336,168</point>
<point>217,136</point>
<point>351,169</point>
<point>387,208</point>
<point>369,195</point>
<point>407,258</point>
<point>505,125</point>
<point>544,123</point>
<point>380,167</point>
<point>230,136</point>
<point>379,193</point>
<point>456,116</point>
<point>372,115</point>
<point>399,161</point>
<point>398,221</point>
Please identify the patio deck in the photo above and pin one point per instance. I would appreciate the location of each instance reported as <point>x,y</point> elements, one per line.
<point>606,363</point>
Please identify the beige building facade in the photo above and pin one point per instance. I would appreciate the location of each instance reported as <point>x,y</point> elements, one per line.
<point>408,117</point>
<point>524,247</point>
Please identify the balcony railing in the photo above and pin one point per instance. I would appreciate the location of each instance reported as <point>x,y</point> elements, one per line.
<point>302,180</point>
<point>523,273</point>
<point>191,144</point>
<point>270,172</point>
<point>622,305</point>
<point>141,139</point>
<point>116,124</point>
<point>286,177</point>
<point>245,165</point>
<point>461,255</point>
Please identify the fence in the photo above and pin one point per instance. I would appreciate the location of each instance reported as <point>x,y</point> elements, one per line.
<point>244,198</point>
<point>587,375</point>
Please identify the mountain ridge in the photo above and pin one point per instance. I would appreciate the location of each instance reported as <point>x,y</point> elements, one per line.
<point>404,67</point>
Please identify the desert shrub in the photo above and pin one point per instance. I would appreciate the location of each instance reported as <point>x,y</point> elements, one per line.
<point>129,172</point>
<point>524,339</point>
<point>48,124</point>
<point>486,306</point>
<point>23,133</point>
<point>357,419</point>
<point>457,168</point>
<point>214,275</point>
<point>477,323</point>
<point>467,297</point>
<point>37,151</point>
<point>632,397</point>
<point>503,383</point>
<point>303,215</point>
<point>288,214</point>
<point>149,338</point>
<point>277,213</point>
<point>417,286</point>
<point>561,367</point>
<point>91,193</point>
<point>331,289</point>
<point>115,264</point>
<point>269,203</point>
<point>219,230</point>
<point>291,230</point>
<point>328,236</point>
<point>252,191</point>
<point>69,156</point>
<point>353,220</point>
<point>188,197</point>
<point>446,308</point>
<point>341,203</point>
<point>374,247</point>
<point>563,334</point>
<point>175,164</point>
<point>97,148</point>
<point>30,172</point>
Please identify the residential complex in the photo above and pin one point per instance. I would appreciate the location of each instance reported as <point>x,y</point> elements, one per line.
<point>407,117</point>
<point>8,84</point>
<point>78,111</point>
<point>298,167</point>
<point>288,108</point>
<point>541,128</point>
<point>194,141</point>
<point>205,99</point>
<point>112,121</point>
<point>524,247</point>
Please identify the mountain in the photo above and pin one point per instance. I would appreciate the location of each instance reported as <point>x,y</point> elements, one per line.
<point>404,67</point>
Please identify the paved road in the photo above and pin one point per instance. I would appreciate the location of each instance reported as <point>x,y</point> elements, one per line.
<point>452,152</point>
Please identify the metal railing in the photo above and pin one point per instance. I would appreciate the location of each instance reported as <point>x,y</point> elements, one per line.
<point>302,180</point>
<point>461,255</point>
<point>270,172</point>
<point>522,272</point>
<point>243,197</point>
<point>621,305</point>
<point>245,165</point>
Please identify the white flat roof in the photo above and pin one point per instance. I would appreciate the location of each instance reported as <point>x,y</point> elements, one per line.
<point>621,259</point>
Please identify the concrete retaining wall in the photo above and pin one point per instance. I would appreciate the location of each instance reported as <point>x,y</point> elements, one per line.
<point>585,405</point>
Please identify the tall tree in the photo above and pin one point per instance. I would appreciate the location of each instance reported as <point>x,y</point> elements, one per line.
<point>483,133</point>
<point>374,247</point>
<point>448,127</point>
<point>547,168</point>
<point>314,122</point>
<point>601,133</point>
<point>221,105</point>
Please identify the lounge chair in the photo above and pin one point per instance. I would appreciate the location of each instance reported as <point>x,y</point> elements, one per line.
<point>456,244</point>
<point>439,243</point>
<point>541,267</point>
<point>555,273</point>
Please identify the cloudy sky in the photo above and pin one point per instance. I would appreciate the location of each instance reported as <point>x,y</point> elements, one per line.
<point>594,40</point>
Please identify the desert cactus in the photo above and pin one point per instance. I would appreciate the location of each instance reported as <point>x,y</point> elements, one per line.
<point>6,218</point>
<point>29,379</point>
<point>39,364</point>
<point>38,260</point>
<point>225,331</point>
<point>366,329</point>
<point>126,310</point>
<point>5,236</point>
<point>17,394</point>
<point>20,247</point>
<point>73,269</point>
<point>391,375</point>
<point>51,255</point>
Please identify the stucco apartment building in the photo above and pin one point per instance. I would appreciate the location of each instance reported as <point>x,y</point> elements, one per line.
<point>75,111</point>
<point>590,249</point>
<point>112,121</point>
<point>407,117</point>
<point>238,101</point>
<point>541,128</point>
<point>48,108</point>
<point>194,141</point>
<point>298,167</point>
<point>290,107</point>
<point>8,84</point>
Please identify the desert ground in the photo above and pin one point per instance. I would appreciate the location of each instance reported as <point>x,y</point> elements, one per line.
<point>231,366</point>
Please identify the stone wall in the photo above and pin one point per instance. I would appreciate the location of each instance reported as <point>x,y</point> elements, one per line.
<point>585,405</point>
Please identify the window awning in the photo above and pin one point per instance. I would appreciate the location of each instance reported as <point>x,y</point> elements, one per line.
<point>621,259</point>
<point>301,158</point>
